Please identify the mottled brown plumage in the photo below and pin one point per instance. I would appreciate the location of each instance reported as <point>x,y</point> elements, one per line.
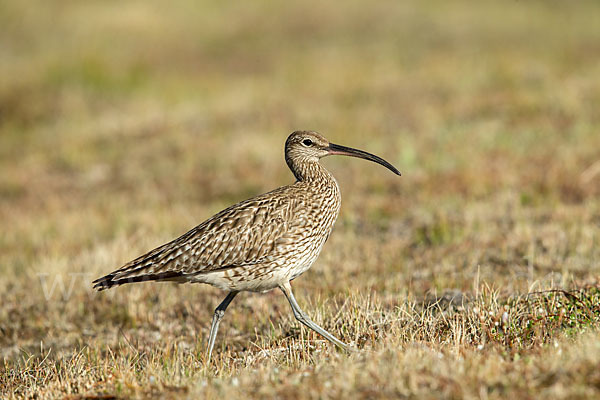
<point>257,244</point>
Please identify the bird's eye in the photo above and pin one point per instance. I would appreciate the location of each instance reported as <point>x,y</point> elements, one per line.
<point>307,142</point>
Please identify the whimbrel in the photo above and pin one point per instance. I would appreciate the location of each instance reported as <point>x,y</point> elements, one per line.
<point>258,244</point>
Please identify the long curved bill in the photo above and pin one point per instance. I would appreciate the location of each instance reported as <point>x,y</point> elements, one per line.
<point>349,151</point>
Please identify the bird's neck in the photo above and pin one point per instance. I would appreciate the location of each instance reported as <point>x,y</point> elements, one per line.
<point>311,172</point>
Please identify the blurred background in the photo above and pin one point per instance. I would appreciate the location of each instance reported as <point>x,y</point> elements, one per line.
<point>123,124</point>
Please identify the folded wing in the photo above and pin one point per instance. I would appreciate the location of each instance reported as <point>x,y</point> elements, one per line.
<point>246,233</point>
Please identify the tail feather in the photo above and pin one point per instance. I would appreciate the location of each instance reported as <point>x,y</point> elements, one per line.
<point>147,267</point>
<point>112,279</point>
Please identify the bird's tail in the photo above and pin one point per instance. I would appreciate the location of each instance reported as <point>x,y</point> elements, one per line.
<point>152,266</point>
<point>114,279</point>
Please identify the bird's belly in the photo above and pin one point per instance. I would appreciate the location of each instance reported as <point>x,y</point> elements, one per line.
<point>301,264</point>
<point>262,277</point>
<point>253,278</point>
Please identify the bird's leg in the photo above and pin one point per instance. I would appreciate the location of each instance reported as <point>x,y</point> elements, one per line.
<point>217,317</point>
<point>301,316</point>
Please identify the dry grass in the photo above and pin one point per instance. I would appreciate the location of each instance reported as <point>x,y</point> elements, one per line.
<point>475,275</point>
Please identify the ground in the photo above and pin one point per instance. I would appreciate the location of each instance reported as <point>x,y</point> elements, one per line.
<point>474,275</point>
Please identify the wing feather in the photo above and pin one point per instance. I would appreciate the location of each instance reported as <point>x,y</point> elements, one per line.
<point>243,234</point>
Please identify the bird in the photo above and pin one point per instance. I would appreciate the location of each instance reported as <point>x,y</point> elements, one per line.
<point>258,244</point>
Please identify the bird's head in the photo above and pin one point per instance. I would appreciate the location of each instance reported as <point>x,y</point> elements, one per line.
<point>303,147</point>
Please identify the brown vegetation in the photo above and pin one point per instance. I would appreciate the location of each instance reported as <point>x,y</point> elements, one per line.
<point>474,275</point>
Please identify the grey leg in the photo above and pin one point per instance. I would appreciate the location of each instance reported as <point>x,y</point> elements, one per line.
<point>301,316</point>
<point>219,313</point>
